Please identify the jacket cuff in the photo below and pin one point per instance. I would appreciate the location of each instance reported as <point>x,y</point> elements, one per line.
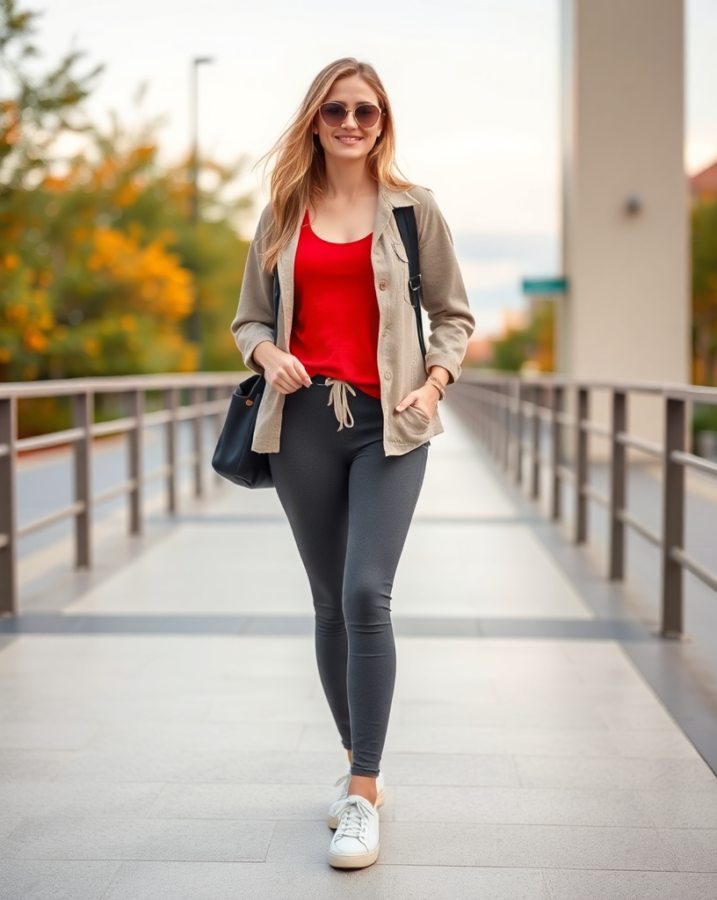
<point>259,334</point>
<point>436,358</point>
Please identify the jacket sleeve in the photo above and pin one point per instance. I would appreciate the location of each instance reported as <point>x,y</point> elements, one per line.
<point>444,294</point>
<point>254,320</point>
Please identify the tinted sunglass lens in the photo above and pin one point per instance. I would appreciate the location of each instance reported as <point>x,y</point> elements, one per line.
<point>333,113</point>
<point>366,115</point>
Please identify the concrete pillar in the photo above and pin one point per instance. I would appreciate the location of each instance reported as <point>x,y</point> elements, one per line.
<point>626,314</point>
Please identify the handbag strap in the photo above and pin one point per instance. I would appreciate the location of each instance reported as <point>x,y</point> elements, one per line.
<point>406,220</point>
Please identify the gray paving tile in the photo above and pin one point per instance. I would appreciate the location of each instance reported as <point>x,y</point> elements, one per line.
<point>250,801</point>
<point>242,767</point>
<point>415,843</point>
<point>660,744</point>
<point>157,839</point>
<point>520,806</point>
<point>674,809</point>
<point>579,847</point>
<point>433,883</point>
<point>198,737</point>
<point>8,821</point>
<point>636,717</point>
<point>115,709</point>
<point>78,800</point>
<point>564,716</point>
<point>53,879</point>
<point>31,765</point>
<point>43,736</point>
<point>453,769</point>
<point>230,881</point>
<point>693,850</point>
<point>584,885</point>
<point>616,774</point>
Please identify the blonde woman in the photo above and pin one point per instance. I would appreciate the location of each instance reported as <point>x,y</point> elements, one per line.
<point>350,403</point>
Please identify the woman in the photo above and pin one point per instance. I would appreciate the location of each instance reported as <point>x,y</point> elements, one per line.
<point>347,333</point>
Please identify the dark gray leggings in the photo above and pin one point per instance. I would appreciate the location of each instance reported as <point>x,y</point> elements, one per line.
<point>349,507</point>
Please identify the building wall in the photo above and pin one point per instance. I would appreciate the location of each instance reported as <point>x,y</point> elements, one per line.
<point>626,313</point>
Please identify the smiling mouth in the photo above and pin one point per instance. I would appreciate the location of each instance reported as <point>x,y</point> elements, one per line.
<point>344,139</point>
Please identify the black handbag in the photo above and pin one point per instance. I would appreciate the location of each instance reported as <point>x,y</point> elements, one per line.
<point>233,457</point>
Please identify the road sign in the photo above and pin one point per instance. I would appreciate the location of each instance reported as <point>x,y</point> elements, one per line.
<point>537,286</point>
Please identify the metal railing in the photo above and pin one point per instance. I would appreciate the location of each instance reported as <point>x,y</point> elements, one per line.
<point>502,405</point>
<point>208,396</point>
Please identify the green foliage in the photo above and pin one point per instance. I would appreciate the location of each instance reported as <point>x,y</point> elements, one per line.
<point>100,265</point>
<point>36,109</point>
<point>532,345</point>
<point>704,292</point>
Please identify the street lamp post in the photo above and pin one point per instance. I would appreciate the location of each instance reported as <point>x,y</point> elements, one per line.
<point>195,325</point>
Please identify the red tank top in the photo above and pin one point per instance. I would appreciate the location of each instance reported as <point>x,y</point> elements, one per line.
<point>335,328</point>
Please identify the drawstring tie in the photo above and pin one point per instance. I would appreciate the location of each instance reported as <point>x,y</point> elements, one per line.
<point>340,402</point>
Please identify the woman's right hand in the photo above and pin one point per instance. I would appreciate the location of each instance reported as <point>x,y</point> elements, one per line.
<point>283,371</point>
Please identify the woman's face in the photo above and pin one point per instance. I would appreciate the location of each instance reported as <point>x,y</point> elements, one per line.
<point>349,141</point>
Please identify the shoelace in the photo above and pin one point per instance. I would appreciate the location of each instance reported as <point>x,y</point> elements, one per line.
<point>343,783</point>
<point>353,821</point>
<point>340,402</point>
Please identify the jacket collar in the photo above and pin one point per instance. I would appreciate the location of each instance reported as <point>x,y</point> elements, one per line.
<point>388,200</point>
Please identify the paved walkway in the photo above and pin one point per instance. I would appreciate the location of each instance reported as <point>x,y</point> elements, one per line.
<point>179,746</point>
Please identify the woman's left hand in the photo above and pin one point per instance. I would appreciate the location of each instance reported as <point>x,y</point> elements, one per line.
<point>424,399</point>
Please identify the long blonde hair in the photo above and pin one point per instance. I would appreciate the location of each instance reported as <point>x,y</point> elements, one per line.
<point>299,174</point>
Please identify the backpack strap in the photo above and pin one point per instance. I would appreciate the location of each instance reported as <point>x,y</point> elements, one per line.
<point>406,220</point>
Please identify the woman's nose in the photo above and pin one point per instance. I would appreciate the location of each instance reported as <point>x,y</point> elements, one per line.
<point>350,120</point>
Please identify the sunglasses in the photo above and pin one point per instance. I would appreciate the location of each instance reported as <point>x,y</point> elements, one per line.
<point>334,113</point>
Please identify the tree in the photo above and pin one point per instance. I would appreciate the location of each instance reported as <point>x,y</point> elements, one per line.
<point>100,263</point>
<point>36,109</point>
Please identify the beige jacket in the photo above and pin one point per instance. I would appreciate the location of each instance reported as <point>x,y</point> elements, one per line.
<point>400,365</point>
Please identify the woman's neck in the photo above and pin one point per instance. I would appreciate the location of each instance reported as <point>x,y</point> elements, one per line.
<point>348,180</point>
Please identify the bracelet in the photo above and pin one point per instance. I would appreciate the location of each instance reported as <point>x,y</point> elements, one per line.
<point>437,385</point>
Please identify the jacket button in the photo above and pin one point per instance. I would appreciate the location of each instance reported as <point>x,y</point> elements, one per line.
<point>382,285</point>
<point>387,376</point>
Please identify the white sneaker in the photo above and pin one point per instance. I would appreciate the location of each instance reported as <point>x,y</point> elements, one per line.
<point>355,841</point>
<point>343,783</point>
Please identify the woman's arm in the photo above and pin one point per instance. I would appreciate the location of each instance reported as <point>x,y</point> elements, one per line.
<point>254,320</point>
<point>253,325</point>
<point>444,299</point>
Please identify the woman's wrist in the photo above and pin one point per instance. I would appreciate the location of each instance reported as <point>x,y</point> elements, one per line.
<point>259,354</point>
<point>437,385</point>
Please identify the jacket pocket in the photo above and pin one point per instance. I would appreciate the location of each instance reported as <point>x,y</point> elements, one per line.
<point>416,421</point>
<point>402,269</point>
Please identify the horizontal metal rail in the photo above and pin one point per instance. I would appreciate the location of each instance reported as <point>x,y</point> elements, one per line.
<point>639,527</point>
<point>207,396</point>
<point>505,402</point>
<point>691,564</point>
<point>51,519</point>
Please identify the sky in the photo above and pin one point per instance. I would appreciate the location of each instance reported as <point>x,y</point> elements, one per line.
<point>474,85</point>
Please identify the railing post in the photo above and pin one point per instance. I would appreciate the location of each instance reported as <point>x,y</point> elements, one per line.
<point>519,417</point>
<point>507,420</point>
<point>217,394</point>
<point>581,467</point>
<point>673,519</point>
<point>83,417</point>
<point>8,514</point>
<point>136,410</point>
<point>617,486</point>
<point>556,408</point>
<point>197,398</point>
<point>535,444</point>
<point>171,402</point>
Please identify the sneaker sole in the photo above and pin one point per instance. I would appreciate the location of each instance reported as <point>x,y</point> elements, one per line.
<point>353,862</point>
<point>333,821</point>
